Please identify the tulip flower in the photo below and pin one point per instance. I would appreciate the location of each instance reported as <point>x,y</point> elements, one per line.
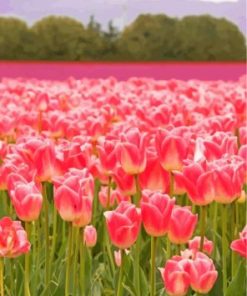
<point>131,152</point>
<point>198,181</point>
<point>156,209</point>
<point>202,274</point>
<point>47,163</point>
<point>182,225</point>
<point>13,239</point>
<point>175,276</point>
<point>73,197</point>
<point>240,245</point>
<point>27,201</point>
<point>194,244</point>
<point>172,150</point>
<point>228,178</point>
<point>107,155</point>
<point>154,176</point>
<point>125,182</point>
<point>90,236</point>
<point>123,224</point>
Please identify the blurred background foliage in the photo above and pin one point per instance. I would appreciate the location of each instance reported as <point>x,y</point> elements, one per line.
<point>148,38</point>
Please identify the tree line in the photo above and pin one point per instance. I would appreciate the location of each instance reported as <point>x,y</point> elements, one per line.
<point>148,38</point>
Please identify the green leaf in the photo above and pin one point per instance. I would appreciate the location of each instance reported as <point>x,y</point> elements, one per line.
<point>238,284</point>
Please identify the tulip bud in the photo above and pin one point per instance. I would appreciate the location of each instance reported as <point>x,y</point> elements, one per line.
<point>90,236</point>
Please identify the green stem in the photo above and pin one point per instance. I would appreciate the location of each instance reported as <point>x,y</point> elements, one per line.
<point>27,265</point>
<point>120,277</point>
<point>171,191</point>
<point>168,248</point>
<point>224,247</point>
<point>234,235</point>
<point>54,236</point>
<point>203,225</point>
<point>82,268</point>
<point>215,215</point>
<point>97,186</point>
<point>108,249</point>
<point>1,277</point>
<point>138,242</point>
<point>47,242</point>
<point>77,239</point>
<point>69,251</point>
<point>153,270</point>
<point>138,191</point>
<point>108,193</point>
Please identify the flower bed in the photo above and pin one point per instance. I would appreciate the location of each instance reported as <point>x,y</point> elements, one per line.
<point>130,187</point>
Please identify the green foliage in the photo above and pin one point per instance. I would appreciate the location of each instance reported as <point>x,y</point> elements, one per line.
<point>148,38</point>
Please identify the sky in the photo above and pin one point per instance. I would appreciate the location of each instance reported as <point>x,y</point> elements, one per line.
<point>123,12</point>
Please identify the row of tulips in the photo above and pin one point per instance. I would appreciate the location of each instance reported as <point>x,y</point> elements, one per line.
<point>122,188</point>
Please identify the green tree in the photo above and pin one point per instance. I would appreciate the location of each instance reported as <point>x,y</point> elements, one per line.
<point>14,39</point>
<point>208,38</point>
<point>149,37</point>
<point>58,38</point>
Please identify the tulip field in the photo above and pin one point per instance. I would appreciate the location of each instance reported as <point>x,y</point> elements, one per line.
<point>123,188</point>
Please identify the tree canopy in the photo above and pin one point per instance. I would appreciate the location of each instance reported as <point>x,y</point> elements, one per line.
<point>148,38</point>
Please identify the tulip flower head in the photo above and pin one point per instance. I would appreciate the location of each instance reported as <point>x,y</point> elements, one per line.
<point>13,239</point>
<point>156,209</point>
<point>123,224</point>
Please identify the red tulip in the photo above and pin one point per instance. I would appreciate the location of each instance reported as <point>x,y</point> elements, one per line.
<point>202,273</point>
<point>240,245</point>
<point>172,150</point>
<point>13,239</point>
<point>182,225</point>
<point>90,236</point>
<point>175,276</point>
<point>156,209</point>
<point>107,155</point>
<point>46,162</point>
<point>208,245</point>
<point>125,182</point>
<point>73,196</point>
<point>154,176</point>
<point>27,201</point>
<point>228,178</point>
<point>198,181</point>
<point>131,152</point>
<point>123,224</point>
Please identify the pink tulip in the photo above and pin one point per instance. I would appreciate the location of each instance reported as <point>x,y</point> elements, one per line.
<point>172,150</point>
<point>131,152</point>
<point>107,155</point>
<point>175,276</point>
<point>103,198</point>
<point>73,196</point>
<point>123,224</point>
<point>125,182</point>
<point>240,245</point>
<point>208,245</point>
<point>118,257</point>
<point>27,201</point>
<point>198,181</point>
<point>13,239</point>
<point>203,274</point>
<point>90,236</point>
<point>47,163</point>
<point>156,209</point>
<point>154,176</point>
<point>182,225</point>
<point>228,178</point>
